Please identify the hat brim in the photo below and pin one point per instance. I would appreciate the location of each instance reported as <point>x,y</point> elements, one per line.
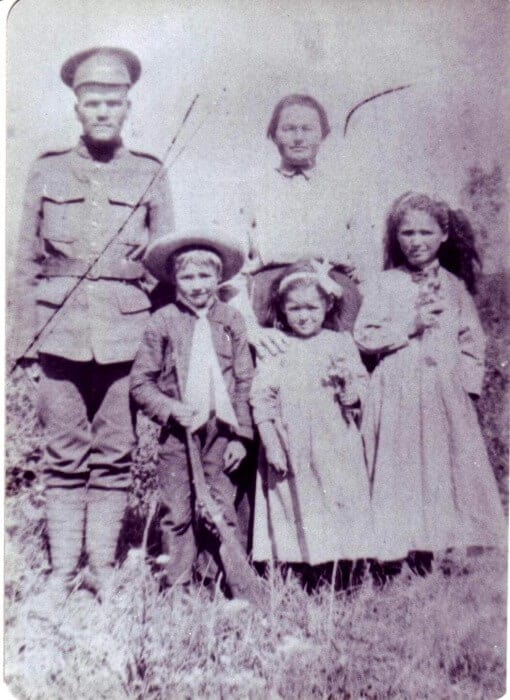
<point>158,252</point>
<point>128,57</point>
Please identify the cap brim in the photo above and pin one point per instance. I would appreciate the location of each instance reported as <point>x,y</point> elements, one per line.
<point>130,59</point>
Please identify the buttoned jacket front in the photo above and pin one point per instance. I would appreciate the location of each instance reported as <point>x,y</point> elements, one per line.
<point>75,203</point>
<point>167,343</point>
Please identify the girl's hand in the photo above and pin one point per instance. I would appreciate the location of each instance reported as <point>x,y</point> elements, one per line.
<point>182,414</point>
<point>428,317</point>
<point>234,454</point>
<point>277,459</point>
<point>348,396</point>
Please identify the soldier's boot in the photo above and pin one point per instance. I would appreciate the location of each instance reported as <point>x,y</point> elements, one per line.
<point>105,513</point>
<point>65,517</point>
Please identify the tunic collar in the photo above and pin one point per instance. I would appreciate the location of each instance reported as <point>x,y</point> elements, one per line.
<point>111,152</point>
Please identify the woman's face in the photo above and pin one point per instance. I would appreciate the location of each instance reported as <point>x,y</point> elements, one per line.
<point>298,136</point>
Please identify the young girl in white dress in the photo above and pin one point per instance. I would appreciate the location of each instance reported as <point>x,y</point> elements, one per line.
<point>431,481</point>
<point>312,499</point>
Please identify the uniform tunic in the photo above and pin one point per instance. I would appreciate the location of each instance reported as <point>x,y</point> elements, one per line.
<point>320,511</point>
<point>75,202</point>
<point>432,484</point>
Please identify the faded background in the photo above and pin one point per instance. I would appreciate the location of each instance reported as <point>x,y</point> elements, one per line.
<point>241,57</point>
<point>438,637</point>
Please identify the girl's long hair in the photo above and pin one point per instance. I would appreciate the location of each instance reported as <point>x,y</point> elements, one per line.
<point>275,315</point>
<point>457,254</point>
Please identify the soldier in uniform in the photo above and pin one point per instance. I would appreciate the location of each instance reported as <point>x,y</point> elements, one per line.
<point>77,200</point>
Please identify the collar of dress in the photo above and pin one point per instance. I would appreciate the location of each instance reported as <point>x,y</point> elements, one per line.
<point>427,272</point>
<point>289,173</point>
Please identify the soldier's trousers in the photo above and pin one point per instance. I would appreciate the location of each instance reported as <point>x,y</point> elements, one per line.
<point>86,413</point>
<point>177,524</point>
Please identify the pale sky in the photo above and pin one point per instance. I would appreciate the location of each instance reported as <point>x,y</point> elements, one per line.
<point>241,57</point>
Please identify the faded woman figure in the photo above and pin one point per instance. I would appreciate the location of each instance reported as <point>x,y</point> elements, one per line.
<point>295,213</point>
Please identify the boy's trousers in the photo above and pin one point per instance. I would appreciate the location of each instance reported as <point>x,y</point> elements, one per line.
<point>178,534</point>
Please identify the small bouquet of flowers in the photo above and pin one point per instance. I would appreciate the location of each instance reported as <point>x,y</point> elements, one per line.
<point>430,304</point>
<point>339,378</point>
<point>430,300</point>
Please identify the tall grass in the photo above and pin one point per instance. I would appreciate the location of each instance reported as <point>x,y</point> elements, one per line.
<point>442,636</point>
<point>438,637</point>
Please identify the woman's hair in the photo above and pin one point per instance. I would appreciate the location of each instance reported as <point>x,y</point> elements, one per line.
<point>296,99</point>
<point>199,256</point>
<point>305,276</point>
<point>457,254</point>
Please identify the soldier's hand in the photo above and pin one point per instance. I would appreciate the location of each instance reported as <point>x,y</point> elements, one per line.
<point>234,455</point>
<point>31,368</point>
<point>183,414</point>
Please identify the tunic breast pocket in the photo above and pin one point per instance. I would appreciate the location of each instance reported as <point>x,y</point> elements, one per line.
<point>62,217</point>
<point>131,217</point>
<point>131,299</point>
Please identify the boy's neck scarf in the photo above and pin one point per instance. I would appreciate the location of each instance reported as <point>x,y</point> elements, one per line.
<point>205,389</point>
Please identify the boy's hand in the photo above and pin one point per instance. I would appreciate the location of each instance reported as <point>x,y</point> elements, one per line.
<point>182,414</point>
<point>277,459</point>
<point>233,456</point>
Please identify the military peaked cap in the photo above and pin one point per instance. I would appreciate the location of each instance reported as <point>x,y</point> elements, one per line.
<point>103,65</point>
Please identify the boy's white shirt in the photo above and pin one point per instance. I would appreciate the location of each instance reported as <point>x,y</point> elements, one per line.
<point>205,389</point>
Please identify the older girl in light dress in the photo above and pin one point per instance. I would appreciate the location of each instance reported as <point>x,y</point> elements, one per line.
<point>431,480</point>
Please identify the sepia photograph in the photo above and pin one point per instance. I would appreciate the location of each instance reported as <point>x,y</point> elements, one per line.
<point>257,332</point>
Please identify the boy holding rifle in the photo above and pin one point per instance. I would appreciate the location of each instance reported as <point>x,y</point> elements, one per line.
<point>192,375</point>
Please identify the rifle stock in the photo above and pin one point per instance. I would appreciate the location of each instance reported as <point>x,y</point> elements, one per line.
<point>242,579</point>
<point>240,576</point>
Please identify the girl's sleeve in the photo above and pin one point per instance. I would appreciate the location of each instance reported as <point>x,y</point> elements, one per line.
<point>472,344</point>
<point>376,329</point>
<point>264,396</point>
<point>357,369</point>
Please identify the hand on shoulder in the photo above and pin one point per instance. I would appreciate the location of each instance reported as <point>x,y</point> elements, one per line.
<point>267,341</point>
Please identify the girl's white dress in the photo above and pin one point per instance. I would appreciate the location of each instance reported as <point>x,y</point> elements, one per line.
<point>431,480</point>
<point>320,511</point>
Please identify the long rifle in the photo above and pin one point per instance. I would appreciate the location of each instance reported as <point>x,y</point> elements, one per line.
<point>242,579</point>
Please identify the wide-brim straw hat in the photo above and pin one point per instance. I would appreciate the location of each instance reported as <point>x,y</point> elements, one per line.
<point>159,251</point>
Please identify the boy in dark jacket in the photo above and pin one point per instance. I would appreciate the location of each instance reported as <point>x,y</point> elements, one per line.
<point>200,343</point>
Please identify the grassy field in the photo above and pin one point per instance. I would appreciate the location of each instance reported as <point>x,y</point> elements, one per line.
<point>438,637</point>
